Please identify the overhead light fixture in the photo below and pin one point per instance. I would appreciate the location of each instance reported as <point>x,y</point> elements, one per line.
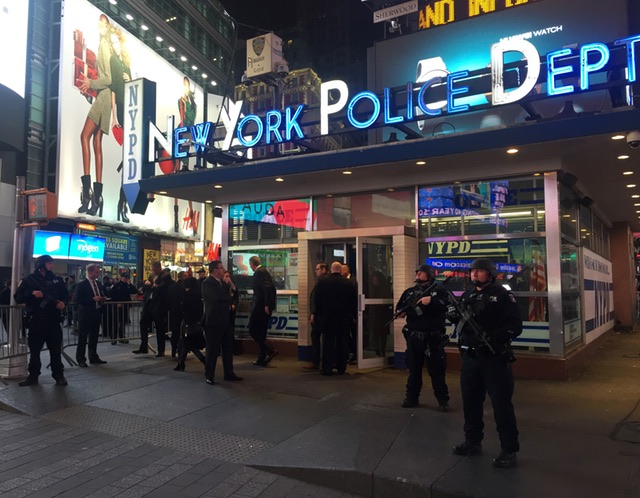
<point>159,38</point>
<point>347,172</point>
<point>421,163</point>
<point>512,151</point>
<point>162,192</point>
<point>183,58</point>
<point>172,49</point>
<point>113,2</point>
<point>628,173</point>
<point>217,186</point>
<point>279,179</point>
<point>204,75</point>
<point>635,196</point>
<point>214,83</point>
<point>208,202</point>
<point>536,174</point>
<point>144,27</point>
<point>129,17</point>
<point>617,137</point>
<point>631,185</point>
<point>637,204</point>
<point>623,157</point>
<point>195,68</point>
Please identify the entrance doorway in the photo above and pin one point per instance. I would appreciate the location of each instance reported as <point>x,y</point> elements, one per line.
<point>369,255</point>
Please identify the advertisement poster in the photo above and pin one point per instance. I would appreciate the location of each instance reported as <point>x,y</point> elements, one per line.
<point>14,20</point>
<point>295,213</point>
<point>150,256</point>
<point>98,57</point>
<point>598,294</point>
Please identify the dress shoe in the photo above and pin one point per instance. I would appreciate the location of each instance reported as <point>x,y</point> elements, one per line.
<point>179,367</point>
<point>259,363</point>
<point>211,382</point>
<point>113,343</point>
<point>467,448</point>
<point>124,341</point>
<point>61,381</point>
<point>312,367</point>
<point>29,381</point>
<point>140,351</point>
<point>505,460</point>
<point>272,354</point>
<point>232,377</point>
<point>97,361</point>
<point>82,363</point>
<point>410,402</point>
<point>443,406</point>
<point>160,355</point>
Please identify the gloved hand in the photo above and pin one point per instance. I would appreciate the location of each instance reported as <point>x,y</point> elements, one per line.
<point>452,313</point>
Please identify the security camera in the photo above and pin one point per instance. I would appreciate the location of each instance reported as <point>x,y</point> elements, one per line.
<point>633,139</point>
<point>246,80</point>
<point>151,197</point>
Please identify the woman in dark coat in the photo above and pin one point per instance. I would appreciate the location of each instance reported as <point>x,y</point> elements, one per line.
<point>191,333</point>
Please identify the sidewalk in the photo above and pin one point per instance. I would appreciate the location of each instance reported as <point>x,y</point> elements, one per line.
<point>135,427</point>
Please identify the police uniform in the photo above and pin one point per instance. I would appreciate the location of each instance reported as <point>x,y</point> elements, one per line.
<point>121,292</point>
<point>425,336</point>
<point>483,371</point>
<point>43,319</point>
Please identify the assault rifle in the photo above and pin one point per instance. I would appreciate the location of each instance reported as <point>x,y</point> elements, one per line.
<point>466,317</point>
<point>412,302</point>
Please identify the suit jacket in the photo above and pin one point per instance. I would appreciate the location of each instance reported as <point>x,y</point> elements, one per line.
<point>335,300</point>
<point>264,292</point>
<point>86,305</point>
<point>217,304</point>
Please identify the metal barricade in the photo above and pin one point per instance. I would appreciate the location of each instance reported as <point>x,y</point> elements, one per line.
<point>13,335</point>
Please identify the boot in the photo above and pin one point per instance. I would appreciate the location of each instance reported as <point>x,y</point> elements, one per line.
<point>176,224</point>
<point>96,201</point>
<point>180,366</point>
<point>122,207</point>
<point>85,196</point>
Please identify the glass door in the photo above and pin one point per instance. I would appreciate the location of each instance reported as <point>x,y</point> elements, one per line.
<point>374,263</point>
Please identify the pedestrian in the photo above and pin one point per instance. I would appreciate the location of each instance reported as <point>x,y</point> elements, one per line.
<point>216,295</point>
<point>262,306</point>
<point>353,331</point>
<point>235,299</point>
<point>121,293</point>
<point>424,308</point>
<point>191,333</point>
<point>486,360</point>
<point>71,290</point>
<point>174,299</point>
<point>155,308</point>
<point>45,297</point>
<point>90,296</point>
<point>336,305</point>
<point>321,270</point>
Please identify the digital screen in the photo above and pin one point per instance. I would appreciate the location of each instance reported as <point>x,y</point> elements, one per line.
<point>14,20</point>
<point>55,244</point>
<point>241,264</point>
<point>86,248</point>
<point>296,213</point>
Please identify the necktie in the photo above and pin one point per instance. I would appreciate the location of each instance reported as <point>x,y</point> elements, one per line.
<point>96,290</point>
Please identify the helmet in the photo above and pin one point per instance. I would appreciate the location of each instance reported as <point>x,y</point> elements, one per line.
<point>484,264</point>
<point>428,270</point>
<point>43,260</point>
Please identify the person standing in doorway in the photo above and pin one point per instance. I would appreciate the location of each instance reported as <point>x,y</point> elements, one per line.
<point>262,306</point>
<point>322,270</point>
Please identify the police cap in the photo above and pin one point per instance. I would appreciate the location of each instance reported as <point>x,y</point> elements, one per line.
<point>43,260</point>
<point>484,264</point>
<point>428,270</point>
<point>125,275</point>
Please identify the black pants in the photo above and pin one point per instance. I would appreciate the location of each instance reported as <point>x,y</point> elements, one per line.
<point>122,318</point>
<point>89,328</point>
<point>258,322</point>
<point>335,350</point>
<point>488,374</point>
<point>216,339</point>
<point>175,322</point>
<point>316,346</point>
<point>146,327</point>
<point>190,343</point>
<point>431,346</point>
<point>45,331</point>
<point>160,320</point>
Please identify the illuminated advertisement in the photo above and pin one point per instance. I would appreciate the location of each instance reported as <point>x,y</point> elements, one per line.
<point>86,248</point>
<point>599,309</point>
<point>98,57</point>
<point>295,213</point>
<point>446,53</point>
<point>55,244</point>
<point>14,20</point>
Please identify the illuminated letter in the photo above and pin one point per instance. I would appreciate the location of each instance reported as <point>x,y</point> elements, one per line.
<point>387,109</point>
<point>452,92</point>
<point>586,68</point>
<point>256,139</point>
<point>531,56</point>
<point>429,110</point>
<point>553,71</point>
<point>273,125</point>
<point>376,110</point>
<point>178,141</point>
<point>155,135</point>
<point>631,56</point>
<point>409,101</point>
<point>230,117</point>
<point>475,6</point>
<point>291,122</point>
<point>200,136</point>
<point>325,107</point>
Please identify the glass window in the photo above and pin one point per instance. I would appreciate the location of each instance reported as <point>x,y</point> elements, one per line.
<point>586,227</point>
<point>571,315</point>
<point>568,213</point>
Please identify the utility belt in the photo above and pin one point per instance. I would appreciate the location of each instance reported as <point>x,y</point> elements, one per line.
<point>421,335</point>
<point>484,352</point>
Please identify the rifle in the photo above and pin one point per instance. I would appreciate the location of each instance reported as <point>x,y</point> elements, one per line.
<point>466,316</point>
<point>412,302</point>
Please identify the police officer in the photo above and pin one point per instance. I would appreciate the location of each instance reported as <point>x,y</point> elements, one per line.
<point>45,296</point>
<point>121,293</point>
<point>486,368</point>
<point>425,335</point>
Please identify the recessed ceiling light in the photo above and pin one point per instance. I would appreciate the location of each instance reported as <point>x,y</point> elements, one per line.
<point>217,186</point>
<point>536,174</point>
<point>183,58</point>
<point>421,163</point>
<point>628,173</point>
<point>637,204</point>
<point>624,156</point>
<point>512,151</point>
<point>214,83</point>
<point>566,216</point>
<point>129,17</point>
<point>617,137</point>
<point>347,172</point>
<point>159,38</point>
<point>162,192</point>
<point>631,185</point>
<point>195,68</point>
<point>172,49</point>
<point>208,202</point>
<point>205,75</point>
<point>391,190</point>
<point>144,27</point>
<point>329,195</point>
<point>113,2</point>
<point>279,179</point>
<point>635,196</point>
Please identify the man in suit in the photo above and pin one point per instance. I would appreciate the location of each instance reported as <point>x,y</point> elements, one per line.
<point>336,305</point>
<point>90,296</point>
<point>217,298</point>
<point>262,305</point>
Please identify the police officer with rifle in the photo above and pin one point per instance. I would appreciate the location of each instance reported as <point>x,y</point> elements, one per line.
<point>424,307</point>
<point>45,296</point>
<point>487,319</point>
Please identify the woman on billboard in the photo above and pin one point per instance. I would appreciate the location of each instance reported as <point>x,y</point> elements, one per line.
<point>187,108</point>
<point>120,73</point>
<point>97,122</point>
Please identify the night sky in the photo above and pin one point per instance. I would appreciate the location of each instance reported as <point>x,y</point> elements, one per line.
<point>264,14</point>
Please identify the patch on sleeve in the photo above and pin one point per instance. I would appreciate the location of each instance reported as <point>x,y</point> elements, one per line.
<point>512,298</point>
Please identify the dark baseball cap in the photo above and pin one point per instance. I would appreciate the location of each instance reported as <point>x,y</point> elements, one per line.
<point>201,270</point>
<point>125,275</point>
<point>424,268</point>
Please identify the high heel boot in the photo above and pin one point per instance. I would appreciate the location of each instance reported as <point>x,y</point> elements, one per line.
<point>122,207</point>
<point>85,196</point>
<point>176,223</point>
<point>96,200</point>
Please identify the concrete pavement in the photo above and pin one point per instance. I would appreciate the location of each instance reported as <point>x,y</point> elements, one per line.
<point>135,427</point>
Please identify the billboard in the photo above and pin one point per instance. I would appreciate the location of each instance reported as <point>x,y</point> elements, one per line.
<point>86,248</point>
<point>14,21</point>
<point>97,57</point>
<point>466,46</point>
<point>55,244</point>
